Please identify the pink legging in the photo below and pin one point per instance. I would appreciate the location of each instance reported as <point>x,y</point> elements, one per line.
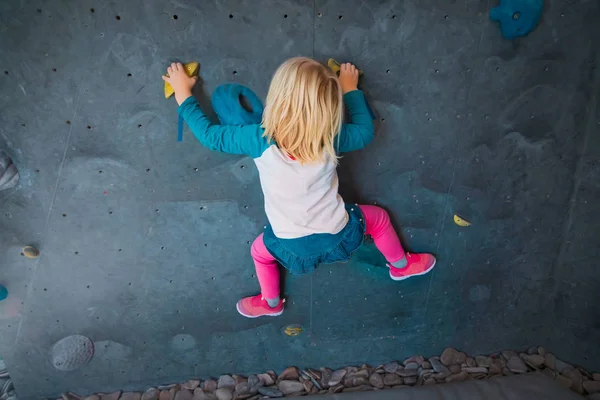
<point>378,226</point>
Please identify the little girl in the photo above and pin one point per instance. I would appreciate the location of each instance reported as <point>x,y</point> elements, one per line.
<point>296,151</point>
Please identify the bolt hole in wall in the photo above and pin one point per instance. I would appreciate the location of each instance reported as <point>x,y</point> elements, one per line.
<point>175,17</point>
<point>118,17</point>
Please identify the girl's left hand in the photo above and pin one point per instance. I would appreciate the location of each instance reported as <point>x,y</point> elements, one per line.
<point>182,83</point>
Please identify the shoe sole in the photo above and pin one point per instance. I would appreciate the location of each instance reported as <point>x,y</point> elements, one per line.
<point>237,307</point>
<point>395,278</point>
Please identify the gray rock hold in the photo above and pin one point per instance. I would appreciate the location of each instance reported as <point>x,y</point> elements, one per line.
<point>461,376</point>
<point>439,367</point>
<point>164,395</point>
<point>266,379</point>
<point>507,354</point>
<point>426,365</point>
<point>290,374</point>
<point>424,372</point>
<point>199,394</point>
<point>516,365</point>
<point>270,391</point>
<point>470,362</point>
<point>496,367</point>
<point>483,361</point>
<point>392,380</point>
<point>226,382</point>
<point>151,394</point>
<point>111,396</point>
<point>362,388</point>
<point>135,396</point>
<point>591,386</point>
<point>541,351</point>
<point>452,356</point>
<point>191,384</point>
<point>550,361</point>
<point>224,393</point>
<point>209,386</point>
<point>533,360</point>
<point>363,373</point>
<point>476,370</point>
<point>418,359</point>
<point>337,377</point>
<point>391,368</point>
<point>183,394</point>
<point>575,376</point>
<point>454,368</point>
<point>326,374</point>
<point>562,366</point>
<point>440,376</point>
<point>242,388</point>
<point>289,387</point>
<point>405,373</point>
<point>376,380</point>
<point>411,365</point>
<point>411,380</point>
<point>254,382</point>
<point>564,381</point>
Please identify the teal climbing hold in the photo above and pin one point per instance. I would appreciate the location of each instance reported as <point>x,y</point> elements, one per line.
<point>228,102</point>
<point>517,17</point>
<point>3,292</point>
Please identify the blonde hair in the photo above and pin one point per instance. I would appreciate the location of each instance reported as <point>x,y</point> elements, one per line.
<point>303,111</point>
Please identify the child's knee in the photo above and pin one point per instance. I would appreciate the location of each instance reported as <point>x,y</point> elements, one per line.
<point>259,251</point>
<point>376,217</point>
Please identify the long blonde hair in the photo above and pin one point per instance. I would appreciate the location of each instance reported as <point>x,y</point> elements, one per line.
<point>304,108</point>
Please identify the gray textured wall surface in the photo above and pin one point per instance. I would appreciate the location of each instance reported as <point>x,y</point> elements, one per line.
<point>145,241</point>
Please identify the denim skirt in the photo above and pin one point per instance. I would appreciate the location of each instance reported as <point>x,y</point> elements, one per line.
<point>302,255</point>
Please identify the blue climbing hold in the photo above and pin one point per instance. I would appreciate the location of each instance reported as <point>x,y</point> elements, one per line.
<point>3,292</point>
<point>517,17</point>
<point>236,104</point>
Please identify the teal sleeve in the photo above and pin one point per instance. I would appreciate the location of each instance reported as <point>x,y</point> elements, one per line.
<point>233,139</point>
<point>359,132</point>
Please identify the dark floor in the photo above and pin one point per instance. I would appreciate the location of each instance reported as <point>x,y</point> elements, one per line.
<point>147,256</point>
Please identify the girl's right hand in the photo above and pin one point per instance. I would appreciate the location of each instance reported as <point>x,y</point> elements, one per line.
<point>348,77</point>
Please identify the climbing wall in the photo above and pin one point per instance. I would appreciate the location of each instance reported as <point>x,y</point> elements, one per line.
<point>145,241</point>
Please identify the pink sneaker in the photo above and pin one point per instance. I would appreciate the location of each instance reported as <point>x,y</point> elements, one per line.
<point>257,306</point>
<point>418,264</point>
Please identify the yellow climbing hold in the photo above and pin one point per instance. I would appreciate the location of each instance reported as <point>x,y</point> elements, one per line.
<point>30,252</point>
<point>461,221</point>
<point>335,66</point>
<point>293,330</point>
<point>191,69</point>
